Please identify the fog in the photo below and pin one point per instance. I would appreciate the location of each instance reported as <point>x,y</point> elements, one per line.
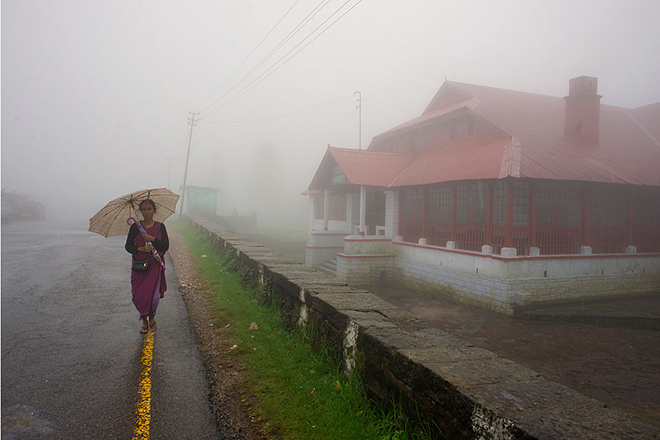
<point>96,96</point>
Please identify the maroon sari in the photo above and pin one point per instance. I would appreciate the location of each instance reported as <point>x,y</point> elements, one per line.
<point>150,286</point>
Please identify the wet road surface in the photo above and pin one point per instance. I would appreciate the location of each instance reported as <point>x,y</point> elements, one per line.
<point>71,350</point>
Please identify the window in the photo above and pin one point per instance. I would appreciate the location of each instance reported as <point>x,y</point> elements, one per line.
<point>608,206</point>
<point>413,200</point>
<point>520,204</point>
<point>499,203</point>
<point>471,203</point>
<point>459,130</point>
<point>337,207</point>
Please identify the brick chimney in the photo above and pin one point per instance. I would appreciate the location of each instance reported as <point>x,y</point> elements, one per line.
<point>582,118</point>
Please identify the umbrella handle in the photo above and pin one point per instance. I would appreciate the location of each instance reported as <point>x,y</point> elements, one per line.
<point>143,231</point>
<point>132,220</point>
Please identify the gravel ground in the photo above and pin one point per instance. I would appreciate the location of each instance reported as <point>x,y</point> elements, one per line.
<point>222,371</point>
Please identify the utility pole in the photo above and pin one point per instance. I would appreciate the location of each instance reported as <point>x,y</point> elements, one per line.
<point>359,107</point>
<point>192,123</point>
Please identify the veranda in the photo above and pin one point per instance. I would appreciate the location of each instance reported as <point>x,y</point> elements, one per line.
<point>533,216</point>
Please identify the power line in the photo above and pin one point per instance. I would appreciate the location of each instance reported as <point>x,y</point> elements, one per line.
<point>250,54</point>
<point>286,39</point>
<point>391,105</point>
<point>278,116</point>
<point>275,66</point>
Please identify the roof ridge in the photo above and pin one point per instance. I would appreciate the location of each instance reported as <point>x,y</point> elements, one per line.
<point>645,130</point>
<point>390,153</point>
<point>394,179</point>
<point>511,158</point>
<point>458,84</point>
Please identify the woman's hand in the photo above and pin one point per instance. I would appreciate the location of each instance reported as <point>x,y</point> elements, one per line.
<point>148,237</point>
<point>145,248</point>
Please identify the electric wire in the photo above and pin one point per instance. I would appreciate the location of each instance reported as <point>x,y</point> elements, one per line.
<point>391,105</point>
<point>275,66</point>
<point>279,116</point>
<point>282,42</point>
<point>250,54</point>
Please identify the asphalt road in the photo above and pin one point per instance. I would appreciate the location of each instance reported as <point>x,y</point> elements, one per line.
<point>71,350</point>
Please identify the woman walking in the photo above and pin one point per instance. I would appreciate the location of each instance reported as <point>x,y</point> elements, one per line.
<point>148,286</point>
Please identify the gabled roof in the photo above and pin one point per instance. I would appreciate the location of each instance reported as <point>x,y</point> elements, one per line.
<point>477,160</point>
<point>628,150</point>
<point>360,167</point>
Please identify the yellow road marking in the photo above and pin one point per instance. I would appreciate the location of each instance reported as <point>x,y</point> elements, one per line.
<point>143,410</point>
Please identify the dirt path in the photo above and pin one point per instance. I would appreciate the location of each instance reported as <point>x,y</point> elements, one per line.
<point>223,374</point>
<point>618,366</point>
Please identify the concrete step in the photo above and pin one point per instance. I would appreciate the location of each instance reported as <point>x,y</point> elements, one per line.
<point>329,267</point>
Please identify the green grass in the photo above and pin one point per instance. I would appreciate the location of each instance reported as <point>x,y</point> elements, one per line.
<point>292,391</point>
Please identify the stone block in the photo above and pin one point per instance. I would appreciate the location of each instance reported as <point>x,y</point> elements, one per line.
<point>422,241</point>
<point>631,249</point>
<point>509,252</point>
<point>396,338</point>
<point>545,409</point>
<point>585,250</point>
<point>486,249</point>
<point>534,251</point>
<point>451,245</point>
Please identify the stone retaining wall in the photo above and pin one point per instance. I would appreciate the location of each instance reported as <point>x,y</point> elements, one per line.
<point>461,391</point>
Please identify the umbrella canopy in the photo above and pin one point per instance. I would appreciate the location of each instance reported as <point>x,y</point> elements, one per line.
<point>111,219</point>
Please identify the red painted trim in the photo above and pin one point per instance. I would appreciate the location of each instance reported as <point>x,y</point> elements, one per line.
<point>399,214</point>
<point>489,213</point>
<point>452,228</point>
<point>508,229</point>
<point>324,247</point>
<point>525,257</point>
<point>532,213</point>
<point>585,239</point>
<point>629,217</point>
<point>367,239</point>
<point>339,254</point>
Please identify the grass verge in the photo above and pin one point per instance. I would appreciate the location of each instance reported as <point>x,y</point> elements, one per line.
<point>294,392</point>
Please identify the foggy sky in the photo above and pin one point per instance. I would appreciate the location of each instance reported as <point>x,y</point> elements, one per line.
<point>96,94</point>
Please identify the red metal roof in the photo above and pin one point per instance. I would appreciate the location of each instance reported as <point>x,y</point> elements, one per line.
<point>532,144</point>
<point>628,150</point>
<point>361,167</point>
<point>624,154</point>
<point>449,164</point>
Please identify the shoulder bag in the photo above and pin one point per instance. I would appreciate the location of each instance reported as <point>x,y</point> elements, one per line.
<point>140,265</point>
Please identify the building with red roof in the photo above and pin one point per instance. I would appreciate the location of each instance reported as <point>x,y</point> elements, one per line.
<point>502,198</point>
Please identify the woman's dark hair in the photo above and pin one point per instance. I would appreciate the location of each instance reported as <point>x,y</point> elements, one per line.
<point>149,201</point>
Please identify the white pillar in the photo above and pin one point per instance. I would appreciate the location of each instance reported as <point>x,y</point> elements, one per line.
<point>363,210</point>
<point>350,212</point>
<point>326,209</point>
<point>311,216</point>
<point>391,213</point>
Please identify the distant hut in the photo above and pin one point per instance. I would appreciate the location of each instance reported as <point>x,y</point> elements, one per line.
<point>505,198</point>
